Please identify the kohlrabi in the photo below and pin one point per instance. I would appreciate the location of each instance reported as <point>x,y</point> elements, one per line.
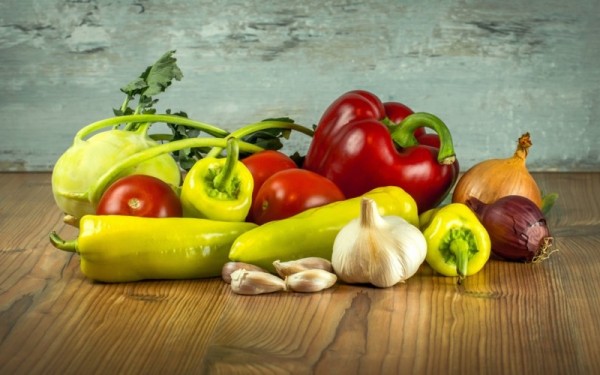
<point>87,160</point>
<point>99,157</point>
<point>79,169</point>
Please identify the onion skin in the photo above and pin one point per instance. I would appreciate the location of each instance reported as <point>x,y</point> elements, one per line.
<point>517,228</point>
<point>492,179</point>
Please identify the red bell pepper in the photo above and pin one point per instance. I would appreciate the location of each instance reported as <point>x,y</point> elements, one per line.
<point>361,143</point>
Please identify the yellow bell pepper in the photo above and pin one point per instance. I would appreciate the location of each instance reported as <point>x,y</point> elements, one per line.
<point>457,243</point>
<point>130,248</point>
<point>312,232</point>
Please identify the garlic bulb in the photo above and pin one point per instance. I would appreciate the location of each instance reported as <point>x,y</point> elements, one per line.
<point>382,251</point>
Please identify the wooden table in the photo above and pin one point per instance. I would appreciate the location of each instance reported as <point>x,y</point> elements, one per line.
<point>508,319</point>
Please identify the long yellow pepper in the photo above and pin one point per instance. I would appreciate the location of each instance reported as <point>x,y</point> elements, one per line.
<point>312,232</point>
<point>130,248</point>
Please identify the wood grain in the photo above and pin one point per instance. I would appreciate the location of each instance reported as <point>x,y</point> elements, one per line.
<point>509,318</point>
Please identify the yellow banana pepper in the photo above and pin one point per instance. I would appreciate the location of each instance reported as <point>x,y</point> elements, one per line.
<point>312,232</point>
<point>130,248</point>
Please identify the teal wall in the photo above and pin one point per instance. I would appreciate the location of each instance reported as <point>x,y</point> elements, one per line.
<point>490,69</point>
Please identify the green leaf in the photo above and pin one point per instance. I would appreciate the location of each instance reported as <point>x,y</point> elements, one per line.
<point>297,158</point>
<point>548,201</point>
<point>269,138</point>
<point>135,87</point>
<point>186,157</point>
<point>162,73</point>
<point>154,80</point>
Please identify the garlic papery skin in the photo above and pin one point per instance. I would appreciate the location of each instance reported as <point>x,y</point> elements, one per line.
<point>310,280</point>
<point>255,282</point>
<point>291,267</point>
<point>382,251</point>
<point>231,267</point>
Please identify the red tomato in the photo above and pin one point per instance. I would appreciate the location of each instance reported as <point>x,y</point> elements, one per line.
<point>140,195</point>
<point>264,164</point>
<point>291,191</point>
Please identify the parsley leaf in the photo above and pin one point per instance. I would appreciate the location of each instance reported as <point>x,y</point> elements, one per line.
<point>186,157</point>
<point>154,80</point>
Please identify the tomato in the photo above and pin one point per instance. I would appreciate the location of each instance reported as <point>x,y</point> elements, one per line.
<point>291,191</point>
<point>264,164</point>
<point>140,195</point>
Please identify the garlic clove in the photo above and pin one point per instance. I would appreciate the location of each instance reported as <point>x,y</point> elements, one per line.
<point>348,258</point>
<point>293,266</point>
<point>313,280</point>
<point>255,282</point>
<point>386,268</point>
<point>230,267</point>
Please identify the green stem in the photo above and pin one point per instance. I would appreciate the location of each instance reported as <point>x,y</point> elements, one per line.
<point>224,178</point>
<point>141,128</point>
<point>460,248</point>
<point>258,126</point>
<point>404,136</point>
<point>61,244</point>
<point>149,118</point>
<point>138,108</point>
<point>95,191</point>
<point>125,104</point>
<point>389,124</point>
<point>161,137</point>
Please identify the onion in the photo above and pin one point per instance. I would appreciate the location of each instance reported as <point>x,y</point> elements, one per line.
<point>517,228</point>
<point>492,179</point>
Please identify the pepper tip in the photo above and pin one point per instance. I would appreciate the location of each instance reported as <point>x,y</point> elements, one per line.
<point>448,160</point>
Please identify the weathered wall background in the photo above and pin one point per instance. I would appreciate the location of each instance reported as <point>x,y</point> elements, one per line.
<point>490,69</point>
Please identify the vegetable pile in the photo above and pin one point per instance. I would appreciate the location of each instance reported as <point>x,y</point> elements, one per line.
<point>364,204</point>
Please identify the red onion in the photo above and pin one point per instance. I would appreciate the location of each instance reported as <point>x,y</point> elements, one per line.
<point>517,228</point>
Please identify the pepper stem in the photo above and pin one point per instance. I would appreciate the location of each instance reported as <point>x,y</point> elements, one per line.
<point>61,244</point>
<point>460,248</point>
<point>225,177</point>
<point>404,136</point>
